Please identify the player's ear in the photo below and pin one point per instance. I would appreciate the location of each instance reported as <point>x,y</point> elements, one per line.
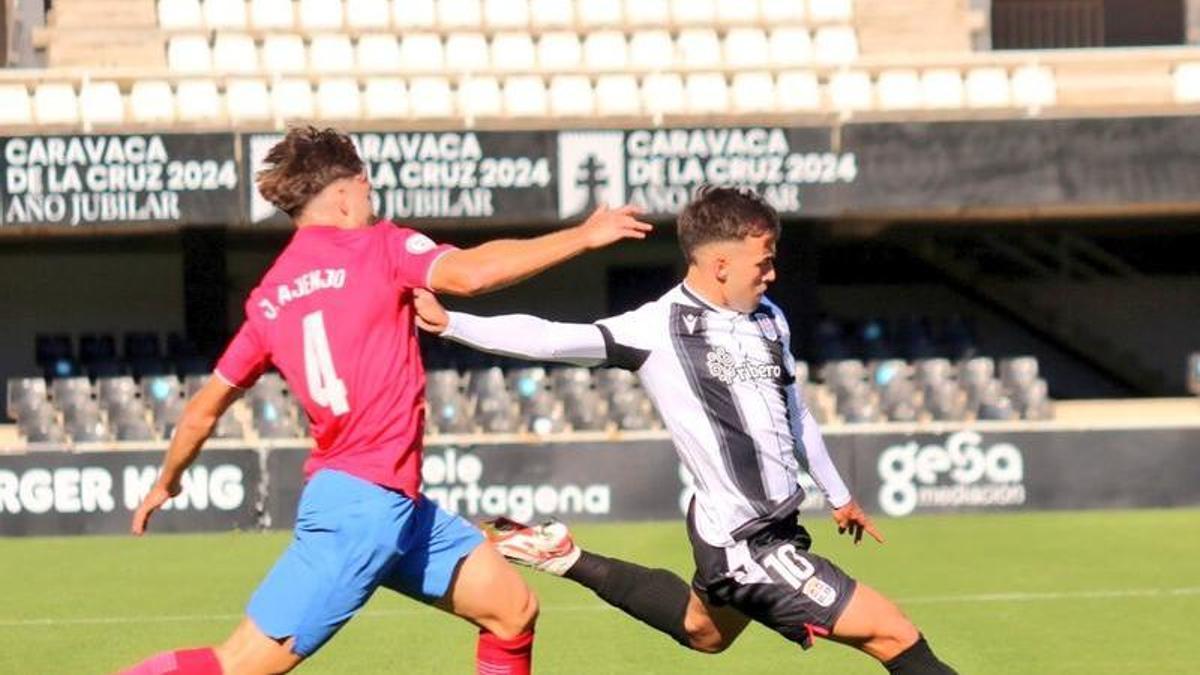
<point>721,268</point>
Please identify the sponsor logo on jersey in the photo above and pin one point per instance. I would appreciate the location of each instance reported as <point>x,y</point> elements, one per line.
<point>725,367</point>
<point>962,472</point>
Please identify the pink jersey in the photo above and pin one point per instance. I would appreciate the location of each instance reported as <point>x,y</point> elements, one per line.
<point>334,314</point>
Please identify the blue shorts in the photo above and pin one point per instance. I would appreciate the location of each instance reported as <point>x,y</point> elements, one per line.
<point>351,537</point>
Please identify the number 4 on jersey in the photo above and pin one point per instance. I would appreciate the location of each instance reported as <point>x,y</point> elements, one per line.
<point>324,386</point>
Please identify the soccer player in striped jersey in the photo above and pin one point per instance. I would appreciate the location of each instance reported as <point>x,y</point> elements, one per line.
<point>713,355</point>
<point>334,314</point>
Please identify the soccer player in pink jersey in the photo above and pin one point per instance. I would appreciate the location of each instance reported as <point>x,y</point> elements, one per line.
<point>334,314</point>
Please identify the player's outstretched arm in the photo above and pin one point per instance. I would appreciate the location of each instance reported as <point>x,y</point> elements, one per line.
<point>504,262</point>
<point>195,426</point>
<point>518,335</point>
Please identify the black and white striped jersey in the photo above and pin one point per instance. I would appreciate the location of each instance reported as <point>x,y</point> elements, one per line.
<point>723,383</point>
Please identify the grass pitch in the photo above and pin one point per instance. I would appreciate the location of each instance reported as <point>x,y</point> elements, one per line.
<point>1096,592</point>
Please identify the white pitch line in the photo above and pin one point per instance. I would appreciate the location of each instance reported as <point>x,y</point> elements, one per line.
<point>597,607</point>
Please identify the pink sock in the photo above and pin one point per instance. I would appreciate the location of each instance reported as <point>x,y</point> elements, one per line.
<point>179,662</point>
<point>496,656</point>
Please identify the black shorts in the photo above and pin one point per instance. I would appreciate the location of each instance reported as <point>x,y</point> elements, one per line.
<point>773,579</point>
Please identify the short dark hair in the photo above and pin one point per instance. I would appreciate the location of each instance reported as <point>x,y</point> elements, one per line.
<point>719,213</point>
<point>305,162</point>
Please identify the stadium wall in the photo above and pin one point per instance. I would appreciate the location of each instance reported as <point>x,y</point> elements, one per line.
<point>897,472</point>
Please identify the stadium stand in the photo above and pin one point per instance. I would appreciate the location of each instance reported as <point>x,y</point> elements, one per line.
<point>559,58</point>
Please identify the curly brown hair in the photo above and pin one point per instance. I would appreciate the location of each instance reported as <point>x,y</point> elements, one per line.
<point>303,164</point>
<point>719,213</point>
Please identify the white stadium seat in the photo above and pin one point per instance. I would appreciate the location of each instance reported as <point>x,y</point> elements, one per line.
<point>234,53</point>
<point>197,101</point>
<point>662,93</point>
<point>292,99</point>
<point>525,96</point>
<point>368,14</point>
<point>797,90</point>
<point>1034,87</point>
<point>647,13</point>
<point>552,13</point>
<point>594,14</point>
<point>513,52</point>
<point>572,96</point>
<point>225,14</point>
<point>331,53</point>
<point>14,105</point>
<point>988,88</point>
<point>189,54</point>
<point>559,51</point>
<point>942,88</point>
<point>831,11</point>
<point>385,98</point>
<point>506,13</point>
<point>699,48</point>
<point>747,47</point>
<point>707,93</point>
<point>378,53</point>
<point>319,15</point>
<point>269,14</point>
<point>480,97</point>
<point>459,14</point>
<point>899,89</point>
<point>338,99</point>
<point>284,54</point>
<point>753,92</point>
<point>180,15</point>
<point>467,53</point>
<point>1187,82</point>
<point>101,103</point>
<point>430,97</point>
<point>605,50</point>
<point>617,95</point>
<point>780,12</point>
<point>790,46</point>
<point>694,12</point>
<point>651,50</point>
<point>850,90</point>
<point>151,101</point>
<point>247,100</point>
<point>738,11</point>
<point>421,14</point>
<point>421,52</point>
<point>835,44</point>
<point>55,103</point>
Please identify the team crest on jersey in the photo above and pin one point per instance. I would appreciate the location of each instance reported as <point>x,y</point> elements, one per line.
<point>766,325</point>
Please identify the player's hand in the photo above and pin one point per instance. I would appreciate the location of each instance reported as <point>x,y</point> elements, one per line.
<point>606,226</point>
<point>153,501</point>
<point>851,519</point>
<point>431,316</point>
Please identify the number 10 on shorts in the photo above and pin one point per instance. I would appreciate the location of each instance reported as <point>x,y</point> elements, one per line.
<point>324,386</point>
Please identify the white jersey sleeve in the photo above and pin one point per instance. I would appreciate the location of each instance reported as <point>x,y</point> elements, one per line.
<point>631,337</point>
<point>529,337</point>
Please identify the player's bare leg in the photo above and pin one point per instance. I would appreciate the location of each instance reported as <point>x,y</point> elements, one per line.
<point>489,593</point>
<point>248,651</point>
<point>711,629</point>
<point>876,626</point>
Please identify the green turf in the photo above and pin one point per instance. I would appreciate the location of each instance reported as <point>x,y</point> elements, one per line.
<point>91,605</point>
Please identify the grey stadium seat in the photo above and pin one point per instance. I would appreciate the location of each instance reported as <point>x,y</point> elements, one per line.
<point>932,371</point>
<point>116,389</point>
<point>586,411</point>
<point>486,382</point>
<point>442,382</point>
<point>25,394</point>
<point>134,429</point>
<point>526,382</point>
<point>67,391</point>
<point>609,380</point>
<point>977,369</point>
<point>570,378</point>
<point>843,375</point>
<point>274,418</point>
<point>450,414</point>
<point>1018,371</point>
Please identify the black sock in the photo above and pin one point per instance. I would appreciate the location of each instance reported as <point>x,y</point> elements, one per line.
<point>918,660</point>
<point>655,597</point>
